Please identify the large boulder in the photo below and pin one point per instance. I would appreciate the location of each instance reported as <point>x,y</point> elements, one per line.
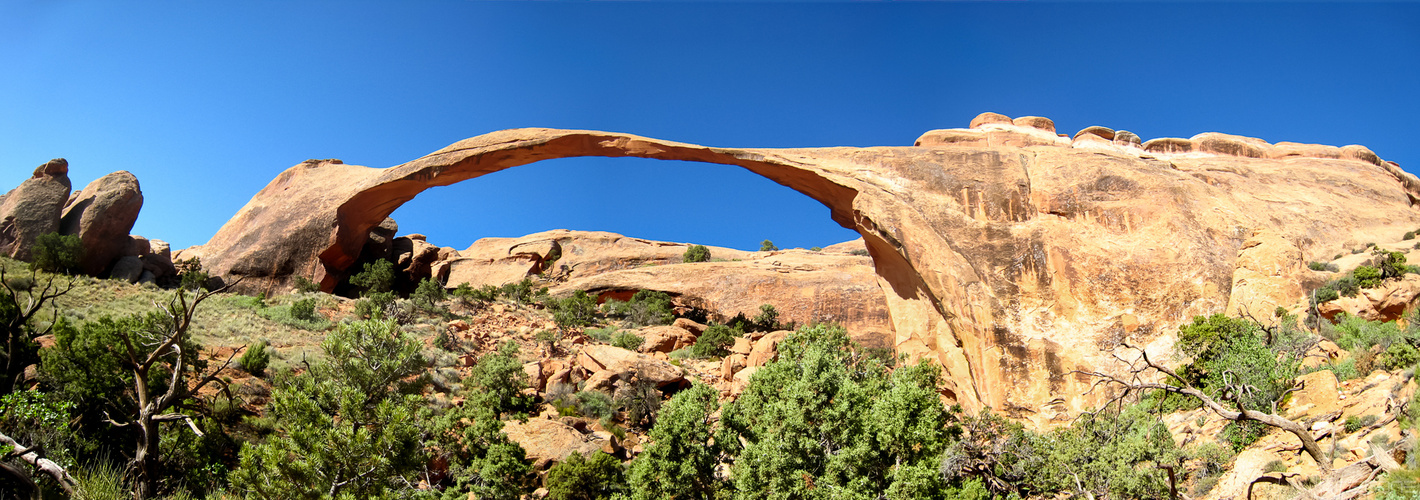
<point>101,215</point>
<point>616,363</point>
<point>33,208</point>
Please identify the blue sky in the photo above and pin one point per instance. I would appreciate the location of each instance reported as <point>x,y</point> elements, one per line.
<point>205,103</point>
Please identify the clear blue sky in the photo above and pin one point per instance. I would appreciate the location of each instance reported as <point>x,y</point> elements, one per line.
<point>205,102</point>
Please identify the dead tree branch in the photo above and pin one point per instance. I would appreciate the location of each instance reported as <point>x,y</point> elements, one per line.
<point>45,465</point>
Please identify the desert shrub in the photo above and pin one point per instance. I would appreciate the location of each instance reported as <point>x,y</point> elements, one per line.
<point>255,359</point>
<point>377,277</point>
<point>1355,423</point>
<point>593,404</point>
<point>469,295</point>
<point>1409,235</point>
<point>1240,435</point>
<point>1393,265</point>
<point>1367,276</point>
<point>815,249</point>
<point>602,334</point>
<point>1403,484</point>
<point>40,419</point>
<point>191,276</point>
<point>683,453</point>
<point>714,342</point>
<point>865,430</point>
<point>646,308</point>
<point>1323,266</point>
<point>768,318</point>
<point>1358,334</point>
<point>579,309</point>
<point>304,309</point>
<point>301,314</point>
<point>641,401</point>
<point>1399,355</point>
<point>305,285</point>
<point>1230,352</point>
<point>696,253</point>
<point>628,341</point>
<point>57,253</point>
<point>859,252</point>
<point>373,305</point>
<point>428,294</point>
<point>767,246</point>
<point>577,478</point>
<point>20,283</point>
<point>500,375</point>
<point>522,292</point>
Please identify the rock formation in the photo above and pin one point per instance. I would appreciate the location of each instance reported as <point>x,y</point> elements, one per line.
<point>33,208</point>
<point>102,214</point>
<point>1007,253</point>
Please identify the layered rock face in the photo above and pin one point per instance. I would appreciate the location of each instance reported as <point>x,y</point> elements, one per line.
<point>33,208</point>
<point>102,214</point>
<point>803,286</point>
<point>1007,253</point>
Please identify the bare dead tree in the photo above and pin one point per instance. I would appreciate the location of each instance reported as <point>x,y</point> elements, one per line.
<point>1140,378</point>
<point>141,352</point>
<point>35,456</point>
<point>18,306</point>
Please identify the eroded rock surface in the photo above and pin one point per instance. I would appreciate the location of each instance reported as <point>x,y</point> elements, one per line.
<point>33,208</point>
<point>1007,253</point>
<point>102,214</point>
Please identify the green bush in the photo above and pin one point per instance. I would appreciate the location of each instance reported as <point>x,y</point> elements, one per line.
<point>714,342</point>
<point>1409,235</point>
<point>500,375</point>
<point>859,252</point>
<point>377,277</point>
<point>57,253</point>
<point>1230,351</point>
<point>467,294</point>
<point>1399,355</point>
<point>1403,484</point>
<point>767,246</point>
<point>305,309</point>
<point>646,308</point>
<point>428,294</point>
<point>523,292</point>
<point>594,404</point>
<point>1355,423</point>
<point>191,276</point>
<point>1367,276</point>
<point>373,305</point>
<point>628,341</point>
<point>579,309</point>
<point>305,285</point>
<point>255,359</point>
<point>1323,266</point>
<point>577,478</point>
<point>1393,265</point>
<point>696,253</point>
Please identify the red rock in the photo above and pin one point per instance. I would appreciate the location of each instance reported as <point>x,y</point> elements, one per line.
<point>765,349</point>
<point>988,118</point>
<point>1097,131</point>
<point>983,256</point>
<point>1360,153</point>
<point>1126,138</point>
<point>951,137</point>
<point>1169,145</point>
<point>742,346</point>
<point>1232,145</point>
<point>731,365</point>
<point>1035,122</point>
<point>33,208</point>
<point>101,215</point>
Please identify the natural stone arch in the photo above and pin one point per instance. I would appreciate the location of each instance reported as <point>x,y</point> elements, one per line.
<point>1011,259</point>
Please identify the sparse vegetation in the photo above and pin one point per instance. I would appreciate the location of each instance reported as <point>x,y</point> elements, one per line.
<point>378,277</point>
<point>646,308</point>
<point>767,246</point>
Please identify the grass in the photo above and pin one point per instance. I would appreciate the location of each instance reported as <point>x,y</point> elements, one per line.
<point>225,320</point>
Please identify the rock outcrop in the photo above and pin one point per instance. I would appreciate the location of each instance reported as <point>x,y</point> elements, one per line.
<point>33,208</point>
<point>1007,253</point>
<point>102,215</point>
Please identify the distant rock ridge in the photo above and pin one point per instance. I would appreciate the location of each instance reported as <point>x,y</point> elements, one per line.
<point>1007,253</point>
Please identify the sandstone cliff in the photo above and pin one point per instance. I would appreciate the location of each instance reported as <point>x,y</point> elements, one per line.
<point>1009,254</point>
